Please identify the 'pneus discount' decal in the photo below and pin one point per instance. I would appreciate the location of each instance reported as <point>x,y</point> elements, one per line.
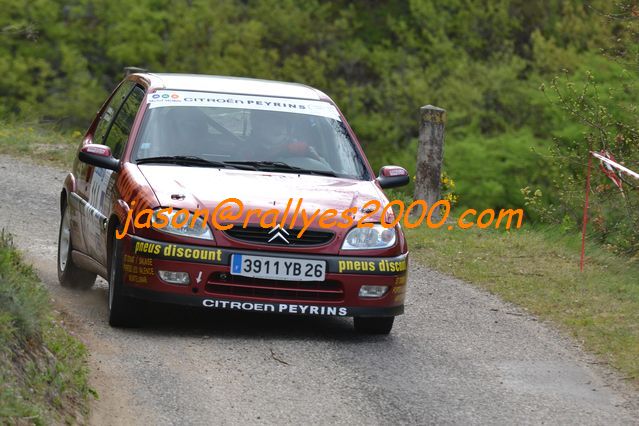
<point>222,256</point>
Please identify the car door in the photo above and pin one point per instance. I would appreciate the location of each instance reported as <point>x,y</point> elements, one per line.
<point>101,182</point>
<point>83,172</point>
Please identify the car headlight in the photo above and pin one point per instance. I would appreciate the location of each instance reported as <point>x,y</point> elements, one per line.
<point>376,237</point>
<point>179,223</point>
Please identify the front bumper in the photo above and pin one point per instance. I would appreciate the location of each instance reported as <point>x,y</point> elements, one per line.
<point>212,285</point>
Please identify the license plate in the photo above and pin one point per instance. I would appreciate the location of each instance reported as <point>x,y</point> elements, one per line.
<point>278,268</point>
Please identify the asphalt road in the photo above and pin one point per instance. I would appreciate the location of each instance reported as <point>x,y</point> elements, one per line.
<point>458,355</point>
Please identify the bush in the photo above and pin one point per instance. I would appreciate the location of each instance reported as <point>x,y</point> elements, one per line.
<point>43,373</point>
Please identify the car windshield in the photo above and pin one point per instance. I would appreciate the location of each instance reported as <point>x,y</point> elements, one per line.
<point>247,132</point>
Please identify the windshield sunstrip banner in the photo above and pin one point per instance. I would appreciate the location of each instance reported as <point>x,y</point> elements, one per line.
<point>166,98</point>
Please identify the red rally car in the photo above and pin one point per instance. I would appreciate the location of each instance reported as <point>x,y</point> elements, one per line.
<point>165,147</point>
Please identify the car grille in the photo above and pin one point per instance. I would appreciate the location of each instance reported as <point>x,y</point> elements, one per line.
<point>222,284</point>
<point>259,235</point>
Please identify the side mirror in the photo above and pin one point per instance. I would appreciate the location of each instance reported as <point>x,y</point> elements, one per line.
<point>98,156</point>
<point>392,177</point>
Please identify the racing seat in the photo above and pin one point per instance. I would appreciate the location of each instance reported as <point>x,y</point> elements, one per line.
<point>185,132</point>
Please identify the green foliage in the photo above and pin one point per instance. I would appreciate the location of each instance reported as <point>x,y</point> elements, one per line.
<point>43,373</point>
<point>603,101</point>
<point>494,169</point>
<point>481,60</point>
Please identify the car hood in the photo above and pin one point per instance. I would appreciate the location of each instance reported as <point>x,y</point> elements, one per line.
<point>196,188</point>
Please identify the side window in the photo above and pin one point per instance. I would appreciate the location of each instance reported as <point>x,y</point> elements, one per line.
<point>112,108</point>
<point>121,127</point>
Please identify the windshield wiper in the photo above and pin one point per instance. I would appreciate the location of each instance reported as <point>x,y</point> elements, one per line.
<point>261,164</point>
<point>180,159</point>
<point>190,160</point>
<point>278,166</point>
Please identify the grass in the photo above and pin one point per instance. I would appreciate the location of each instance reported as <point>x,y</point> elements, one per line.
<point>43,371</point>
<point>538,268</point>
<point>39,142</point>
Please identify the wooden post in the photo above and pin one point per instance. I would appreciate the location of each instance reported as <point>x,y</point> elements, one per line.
<point>430,154</point>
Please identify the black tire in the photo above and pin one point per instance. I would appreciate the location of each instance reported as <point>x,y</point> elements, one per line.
<point>69,274</point>
<point>123,310</point>
<point>374,325</point>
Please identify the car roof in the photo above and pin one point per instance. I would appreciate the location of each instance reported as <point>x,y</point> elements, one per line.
<point>238,85</point>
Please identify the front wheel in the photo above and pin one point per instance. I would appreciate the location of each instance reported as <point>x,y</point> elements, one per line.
<point>374,325</point>
<point>69,274</point>
<point>122,309</point>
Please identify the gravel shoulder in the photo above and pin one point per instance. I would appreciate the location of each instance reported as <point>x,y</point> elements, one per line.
<point>458,356</point>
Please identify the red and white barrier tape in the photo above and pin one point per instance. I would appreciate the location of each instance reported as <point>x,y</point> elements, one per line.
<point>616,165</point>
